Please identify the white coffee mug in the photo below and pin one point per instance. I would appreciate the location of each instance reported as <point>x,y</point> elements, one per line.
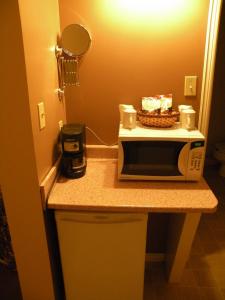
<point>188,119</point>
<point>122,108</point>
<point>129,118</point>
<point>182,108</point>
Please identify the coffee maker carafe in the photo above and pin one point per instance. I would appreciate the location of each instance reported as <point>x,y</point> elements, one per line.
<point>73,150</point>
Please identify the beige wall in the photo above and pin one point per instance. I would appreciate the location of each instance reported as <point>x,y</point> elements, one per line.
<point>28,74</point>
<point>133,55</point>
<point>40,26</point>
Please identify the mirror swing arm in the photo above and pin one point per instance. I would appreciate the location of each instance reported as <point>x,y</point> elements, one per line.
<point>59,58</point>
<point>75,41</point>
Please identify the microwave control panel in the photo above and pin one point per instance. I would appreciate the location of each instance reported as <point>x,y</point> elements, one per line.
<point>195,162</point>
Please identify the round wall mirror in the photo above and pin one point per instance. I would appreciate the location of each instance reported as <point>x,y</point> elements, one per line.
<point>75,40</point>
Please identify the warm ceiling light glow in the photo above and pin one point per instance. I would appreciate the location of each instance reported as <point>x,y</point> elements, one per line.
<point>148,13</point>
<point>146,7</point>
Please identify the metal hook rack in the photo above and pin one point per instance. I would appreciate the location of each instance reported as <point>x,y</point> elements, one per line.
<point>67,71</point>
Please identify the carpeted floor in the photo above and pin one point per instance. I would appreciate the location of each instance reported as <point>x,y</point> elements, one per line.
<point>9,284</point>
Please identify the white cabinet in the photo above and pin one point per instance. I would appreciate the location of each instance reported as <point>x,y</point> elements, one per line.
<point>102,254</point>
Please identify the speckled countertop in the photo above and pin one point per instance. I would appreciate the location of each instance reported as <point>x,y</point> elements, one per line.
<point>100,190</point>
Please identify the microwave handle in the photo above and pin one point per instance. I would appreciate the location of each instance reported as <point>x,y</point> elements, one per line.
<point>183,159</point>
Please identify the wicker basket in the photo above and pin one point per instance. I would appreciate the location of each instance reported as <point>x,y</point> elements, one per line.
<point>158,120</point>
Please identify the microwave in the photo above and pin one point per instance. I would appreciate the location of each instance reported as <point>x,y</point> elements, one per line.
<point>160,154</point>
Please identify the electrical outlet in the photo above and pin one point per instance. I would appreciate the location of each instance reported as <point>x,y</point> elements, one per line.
<point>41,114</point>
<point>60,124</point>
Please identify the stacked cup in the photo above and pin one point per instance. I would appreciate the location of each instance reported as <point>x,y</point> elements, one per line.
<point>187,117</point>
<point>128,116</point>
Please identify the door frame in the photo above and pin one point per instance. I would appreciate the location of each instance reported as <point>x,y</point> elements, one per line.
<point>209,65</point>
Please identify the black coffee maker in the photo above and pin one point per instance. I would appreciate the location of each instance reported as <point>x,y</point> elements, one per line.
<point>73,150</point>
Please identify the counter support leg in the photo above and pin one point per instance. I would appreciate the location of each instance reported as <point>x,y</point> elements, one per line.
<point>181,234</point>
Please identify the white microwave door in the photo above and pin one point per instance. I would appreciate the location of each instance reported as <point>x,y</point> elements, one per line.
<point>154,158</point>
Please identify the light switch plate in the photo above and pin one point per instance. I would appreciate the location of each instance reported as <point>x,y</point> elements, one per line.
<point>41,113</point>
<point>190,84</point>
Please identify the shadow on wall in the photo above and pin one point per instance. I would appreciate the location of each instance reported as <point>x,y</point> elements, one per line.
<point>217,125</point>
